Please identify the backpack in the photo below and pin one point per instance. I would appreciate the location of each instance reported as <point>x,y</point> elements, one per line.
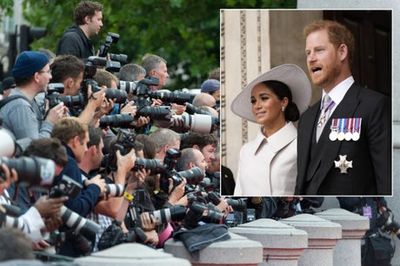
<point>377,249</point>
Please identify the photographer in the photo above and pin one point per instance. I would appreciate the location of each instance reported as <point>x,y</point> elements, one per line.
<point>107,208</point>
<point>22,115</point>
<point>76,39</point>
<point>212,87</point>
<point>74,135</point>
<point>206,143</point>
<point>7,85</point>
<point>35,219</point>
<point>204,99</point>
<point>132,72</point>
<point>69,70</point>
<point>156,67</point>
<point>48,148</point>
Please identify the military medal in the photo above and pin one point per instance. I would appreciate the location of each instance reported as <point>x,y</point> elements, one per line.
<point>343,164</point>
<point>349,135</point>
<point>334,130</point>
<point>340,136</point>
<point>357,128</point>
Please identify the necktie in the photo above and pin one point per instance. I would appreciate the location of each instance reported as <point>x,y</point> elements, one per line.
<point>325,112</point>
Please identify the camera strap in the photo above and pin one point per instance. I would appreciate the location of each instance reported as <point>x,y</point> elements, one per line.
<point>11,98</point>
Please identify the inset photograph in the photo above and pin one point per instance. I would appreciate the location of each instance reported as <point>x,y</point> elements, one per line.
<point>306,102</point>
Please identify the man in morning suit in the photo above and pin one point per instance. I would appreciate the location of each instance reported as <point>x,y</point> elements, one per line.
<point>344,140</point>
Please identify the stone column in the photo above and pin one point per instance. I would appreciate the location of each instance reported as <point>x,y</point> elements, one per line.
<point>322,238</point>
<point>236,251</point>
<point>282,244</point>
<point>130,254</point>
<point>354,226</point>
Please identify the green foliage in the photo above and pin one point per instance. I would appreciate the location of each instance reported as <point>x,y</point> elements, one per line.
<point>6,7</point>
<point>185,33</point>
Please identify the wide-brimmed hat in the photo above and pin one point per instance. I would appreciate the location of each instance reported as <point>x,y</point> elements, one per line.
<point>290,74</point>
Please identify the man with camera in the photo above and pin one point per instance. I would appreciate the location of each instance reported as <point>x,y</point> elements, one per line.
<point>156,67</point>
<point>41,216</point>
<point>69,70</point>
<point>20,112</point>
<point>75,137</point>
<point>111,202</point>
<point>76,39</point>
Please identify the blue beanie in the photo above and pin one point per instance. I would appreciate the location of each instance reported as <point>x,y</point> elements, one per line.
<point>28,63</point>
<point>210,85</point>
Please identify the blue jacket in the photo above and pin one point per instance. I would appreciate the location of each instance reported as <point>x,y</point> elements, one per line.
<point>87,198</point>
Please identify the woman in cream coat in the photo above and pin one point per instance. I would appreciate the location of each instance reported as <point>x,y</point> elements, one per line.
<point>275,99</point>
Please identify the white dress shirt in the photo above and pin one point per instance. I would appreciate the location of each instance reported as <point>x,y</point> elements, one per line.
<point>338,92</point>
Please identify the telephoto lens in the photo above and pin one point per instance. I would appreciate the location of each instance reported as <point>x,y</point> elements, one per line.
<point>209,214</point>
<point>114,190</point>
<point>31,170</point>
<point>191,109</point>
<point>172,97</point>
<point>79,224</point>
<point>155,112</point>
<point>193,176</point>
<point>120,120</point>
<point>9,219</point>
<point>7,143</point>
<point>173,214</point>
<point>155,166</point>
<point>118,96</point>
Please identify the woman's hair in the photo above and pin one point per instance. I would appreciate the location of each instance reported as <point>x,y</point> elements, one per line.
<point>281,90</point>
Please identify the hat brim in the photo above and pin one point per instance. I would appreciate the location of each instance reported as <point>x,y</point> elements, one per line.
<point>290,74</point>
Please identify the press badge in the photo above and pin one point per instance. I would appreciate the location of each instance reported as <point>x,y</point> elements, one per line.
<point>367,212</point>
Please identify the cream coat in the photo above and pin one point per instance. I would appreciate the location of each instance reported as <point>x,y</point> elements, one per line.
<point>268,166</point>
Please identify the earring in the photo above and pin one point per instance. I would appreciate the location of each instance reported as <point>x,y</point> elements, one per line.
<point>283,108</point>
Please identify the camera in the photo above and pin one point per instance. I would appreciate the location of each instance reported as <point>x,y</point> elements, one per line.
<point>54,95</point>
<point>9,218</point>
<point>197,123</point>
<point>119,120</point>
<point>193,176</point>
<point>191,109</point>
<point>162,216</point>
<point>138,88</point>
<point>114,190</point>
<point>111,93</point>
<point>162,113</point>
<point>114,235</point>
<point>387,223</point>
<point>109,65</point>
<point>110,39</point>
<point>236,204</point>
<point>31,170</point>
<point>206,212</point>
<point>155,166</point>
<point>122,58</point>
<point>172,97</point>
<point>78,224</point>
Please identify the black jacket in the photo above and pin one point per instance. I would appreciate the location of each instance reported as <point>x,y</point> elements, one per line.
<point>75,42</point>
<point>370,155</point>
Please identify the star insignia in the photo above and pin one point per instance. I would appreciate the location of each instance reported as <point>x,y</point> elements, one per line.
<point>343,164</point>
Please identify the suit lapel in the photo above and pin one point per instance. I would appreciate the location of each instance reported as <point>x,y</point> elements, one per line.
<point>305,134</point>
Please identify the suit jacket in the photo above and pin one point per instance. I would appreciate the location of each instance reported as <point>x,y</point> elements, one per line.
<point>370,155</point>
<point>268,166</point>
